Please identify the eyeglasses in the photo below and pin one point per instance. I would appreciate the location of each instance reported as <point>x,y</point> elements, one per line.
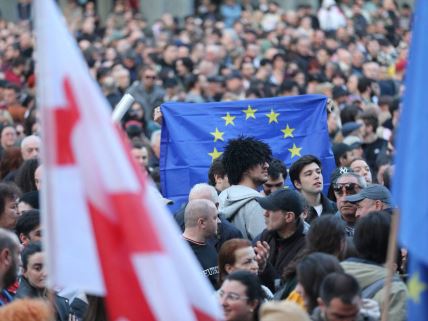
<point>350,188</point>
<point>150,77</point>
<point>231,296</point>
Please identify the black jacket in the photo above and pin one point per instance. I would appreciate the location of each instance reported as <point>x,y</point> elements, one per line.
<point>25,290</point>
<point>328,207</point>
<point>282,252</point>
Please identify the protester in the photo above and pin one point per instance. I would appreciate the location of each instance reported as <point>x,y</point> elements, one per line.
<point>225,229</point>
<point>33,280</point>
<point>371,241</point>
<point>311,271</point>
<point>238,254</point>
<point>200,224</point>
<point>373,198</point>
<point>307,178</point>
<point>241,296</point>
<point>339,299</point>
<point>346,184</point>
<point>28,227</point>
<point>9,263</point>
<point>9,195</point>
<point>277,172</point>
<point>245,161</point>
<point>284,233</point>
<point>217,176</point>
<point>360,166</point>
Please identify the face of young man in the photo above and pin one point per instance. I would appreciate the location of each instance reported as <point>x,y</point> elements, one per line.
<point>311,179</point>
<point>259,174</point>
<point>33,236</point>
<point>140,155</point>
<point>337,310</point>
<point>273,185</point>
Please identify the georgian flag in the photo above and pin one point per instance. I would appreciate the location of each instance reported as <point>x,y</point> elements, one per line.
<point>106,230</point>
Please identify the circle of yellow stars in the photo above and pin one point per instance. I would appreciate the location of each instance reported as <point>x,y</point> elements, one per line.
<point>250,113</point>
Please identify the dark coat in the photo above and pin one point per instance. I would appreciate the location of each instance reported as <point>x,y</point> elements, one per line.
<point>25,290</point>
<point>328,207</point>
<point>282,252</point>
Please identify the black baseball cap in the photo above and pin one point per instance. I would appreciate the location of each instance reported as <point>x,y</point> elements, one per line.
<point>283,199</point>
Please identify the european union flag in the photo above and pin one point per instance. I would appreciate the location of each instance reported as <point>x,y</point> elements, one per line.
<point>193,135</point>
<point>411,173</point>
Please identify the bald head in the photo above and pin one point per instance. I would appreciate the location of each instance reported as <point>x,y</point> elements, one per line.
<point>9,258</point>
<point>8,239</point>
<point>204,191</point>
<point>30,147</point>
<point>197,209</point>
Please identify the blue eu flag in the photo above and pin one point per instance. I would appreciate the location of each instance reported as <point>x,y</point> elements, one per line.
<point>411,175</point>
<point>193,135</point>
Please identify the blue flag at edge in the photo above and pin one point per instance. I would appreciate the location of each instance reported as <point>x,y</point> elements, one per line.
<point>195,134</point>
<point>411,174</point>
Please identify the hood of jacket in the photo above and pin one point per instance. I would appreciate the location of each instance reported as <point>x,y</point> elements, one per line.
<point>365,273</point>
<point>234,197</point>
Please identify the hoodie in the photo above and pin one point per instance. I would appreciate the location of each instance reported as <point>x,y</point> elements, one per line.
<point>367,273</point>
<point>239,206</point>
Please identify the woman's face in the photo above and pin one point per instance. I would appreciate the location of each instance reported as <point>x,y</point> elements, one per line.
<point>35,272</point>
<point>137,111</point>
<point>245,259</point>
<point>234,301</point>
<point>10,215</point>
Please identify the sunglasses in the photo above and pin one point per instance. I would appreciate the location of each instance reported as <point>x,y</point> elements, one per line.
<point>150,77</point>
<point>349,189</point>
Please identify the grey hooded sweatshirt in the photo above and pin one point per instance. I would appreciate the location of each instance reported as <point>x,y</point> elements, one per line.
<point>239,206</point>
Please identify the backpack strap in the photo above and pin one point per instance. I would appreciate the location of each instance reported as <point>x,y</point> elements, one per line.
<point>370,291</point>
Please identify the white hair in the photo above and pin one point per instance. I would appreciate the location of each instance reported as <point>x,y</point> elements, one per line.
<point>29,139</point>
<point>204,191</point>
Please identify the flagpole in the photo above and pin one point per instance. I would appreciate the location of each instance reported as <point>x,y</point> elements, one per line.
<point>390,261</point>
<point>121,107</point>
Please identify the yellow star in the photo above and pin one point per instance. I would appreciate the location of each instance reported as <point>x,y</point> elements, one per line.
<point>229,119</point>
<point>288,132</point>
<point>273,117</point>
<point>416,287</point>
<point>215,154</point>
<point>218,135</point>
<point>295,151</point>
<point>249,112</point>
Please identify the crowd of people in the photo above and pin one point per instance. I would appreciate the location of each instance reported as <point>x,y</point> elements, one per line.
<point>270,252</point>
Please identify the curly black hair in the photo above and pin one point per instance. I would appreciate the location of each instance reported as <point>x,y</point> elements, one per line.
<point>241,154</point>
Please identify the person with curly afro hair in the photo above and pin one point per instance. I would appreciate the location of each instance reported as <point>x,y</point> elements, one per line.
<point>245,160</point>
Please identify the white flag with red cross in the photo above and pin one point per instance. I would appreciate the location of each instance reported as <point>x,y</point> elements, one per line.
<point>106,230</point>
